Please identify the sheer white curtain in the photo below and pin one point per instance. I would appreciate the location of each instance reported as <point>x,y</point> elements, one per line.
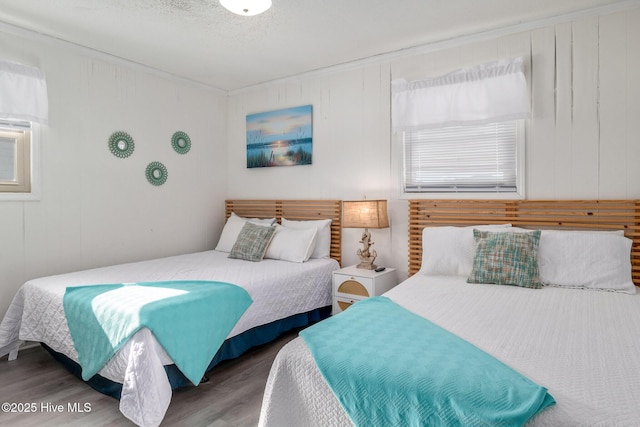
<point>486,93</point>
<point>23,93</point>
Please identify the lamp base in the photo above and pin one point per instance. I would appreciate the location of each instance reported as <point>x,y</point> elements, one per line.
<point>366,263</point>
<point>366,256</point>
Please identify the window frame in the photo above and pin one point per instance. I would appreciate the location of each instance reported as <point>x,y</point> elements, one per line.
<point>28,161</point>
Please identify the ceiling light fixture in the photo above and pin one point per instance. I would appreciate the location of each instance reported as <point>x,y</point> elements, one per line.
<point>246,7</point>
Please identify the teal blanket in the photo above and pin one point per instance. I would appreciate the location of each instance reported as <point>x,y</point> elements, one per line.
<point>390,367</point>
<point>190,319</point>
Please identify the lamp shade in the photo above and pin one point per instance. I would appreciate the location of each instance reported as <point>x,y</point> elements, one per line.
<point>365,214</point>
<point>246,7</point>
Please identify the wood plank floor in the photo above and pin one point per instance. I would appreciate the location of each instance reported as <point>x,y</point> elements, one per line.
<point>231,397</point>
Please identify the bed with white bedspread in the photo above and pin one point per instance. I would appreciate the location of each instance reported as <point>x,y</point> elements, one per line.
<point>279,289</point>
<point>583,347</point>
<point>576,335</point>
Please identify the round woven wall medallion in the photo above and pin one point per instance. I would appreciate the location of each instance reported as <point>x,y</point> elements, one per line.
<point>156,173</point>
<point>121,144</point>
<point>181,142</point>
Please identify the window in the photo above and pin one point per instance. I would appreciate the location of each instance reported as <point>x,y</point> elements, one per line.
<point>24,105</point>
<point>465,159</point>
<point>464,132</point>
<point>15,156</point>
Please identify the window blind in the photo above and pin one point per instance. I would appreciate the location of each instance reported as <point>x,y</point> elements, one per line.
<point>480,158</point>
<point>10,149</point>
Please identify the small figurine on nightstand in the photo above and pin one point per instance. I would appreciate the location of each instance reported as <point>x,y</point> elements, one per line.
<point>366,256</point>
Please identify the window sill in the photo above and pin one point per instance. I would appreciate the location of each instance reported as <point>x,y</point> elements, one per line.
<point>20,197</point>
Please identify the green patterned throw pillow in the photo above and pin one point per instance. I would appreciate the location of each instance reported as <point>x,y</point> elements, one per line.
<point>509,258</point>
<point>252,242</point>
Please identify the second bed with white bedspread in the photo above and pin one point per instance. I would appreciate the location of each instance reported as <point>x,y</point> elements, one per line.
<point>279,289</point>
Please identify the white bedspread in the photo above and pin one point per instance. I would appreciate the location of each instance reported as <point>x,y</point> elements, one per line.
<point>582,345</point>
<point>279,289</point>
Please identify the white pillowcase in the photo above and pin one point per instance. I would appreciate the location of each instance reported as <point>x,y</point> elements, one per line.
<point>290,244</point>
<point>586,259</point>
<point>323,237</point>
<point>449,251</point>
<point>232,229</point>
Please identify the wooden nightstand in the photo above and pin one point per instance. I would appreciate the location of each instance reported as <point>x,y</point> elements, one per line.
<point>351,284</point>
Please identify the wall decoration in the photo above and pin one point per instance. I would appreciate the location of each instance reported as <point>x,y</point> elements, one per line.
<point>181,142</point>
<point>280,138</point>
<point>156,173</point>
<point>121,144</point>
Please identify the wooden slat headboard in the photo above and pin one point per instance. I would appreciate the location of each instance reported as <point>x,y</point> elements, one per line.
<point>534,214</point>
<point>298,210</point>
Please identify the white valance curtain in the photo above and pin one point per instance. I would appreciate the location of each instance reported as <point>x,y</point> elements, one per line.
<point>486,93</point>
<point>23,93</point>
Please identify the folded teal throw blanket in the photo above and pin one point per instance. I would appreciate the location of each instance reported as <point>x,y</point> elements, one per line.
<point>390,367</point>
<point>190,319</point>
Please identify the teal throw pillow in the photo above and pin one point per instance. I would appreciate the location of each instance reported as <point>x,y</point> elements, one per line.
<point>252,242</point>
<point>506,258</point>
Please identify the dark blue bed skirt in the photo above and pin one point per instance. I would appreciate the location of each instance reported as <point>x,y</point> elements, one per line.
<point>231,348</point>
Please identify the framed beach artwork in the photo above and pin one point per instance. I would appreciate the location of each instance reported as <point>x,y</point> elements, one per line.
<point>280,138</point>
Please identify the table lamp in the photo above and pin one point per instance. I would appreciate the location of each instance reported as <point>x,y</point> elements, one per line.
<point>365,214</point>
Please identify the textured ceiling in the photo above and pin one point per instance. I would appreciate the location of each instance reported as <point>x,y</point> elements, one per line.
<point>201,41</point>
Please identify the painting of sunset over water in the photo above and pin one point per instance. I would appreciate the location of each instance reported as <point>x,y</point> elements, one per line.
<point>280,138</point>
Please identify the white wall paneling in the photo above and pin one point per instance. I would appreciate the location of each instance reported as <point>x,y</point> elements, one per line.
<point>613,79</point>
<point>541,139</point>
<point>585,123</point>
<point>563,103</point>
<point>633,102</point>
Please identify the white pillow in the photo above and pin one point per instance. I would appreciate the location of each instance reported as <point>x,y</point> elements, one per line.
<point>586,260</point>
<point>260,221</point>
<point>449,251</point>
<point>529,230</point>
<point>290,244</point>
<point>232,229</point>
<point>323,237</point>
